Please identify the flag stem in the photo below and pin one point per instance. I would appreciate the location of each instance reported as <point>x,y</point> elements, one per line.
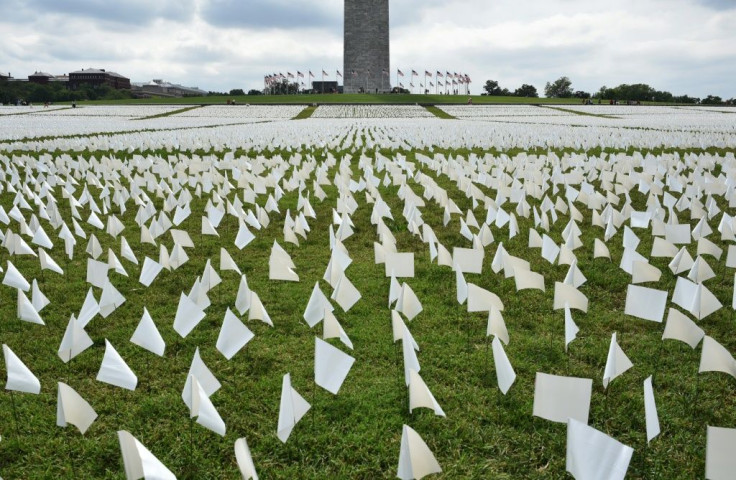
<point>71,461</point>
<point>314,410</point>
<point>15,414</point>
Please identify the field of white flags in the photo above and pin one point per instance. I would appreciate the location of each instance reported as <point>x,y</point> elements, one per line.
<point>372,292</point>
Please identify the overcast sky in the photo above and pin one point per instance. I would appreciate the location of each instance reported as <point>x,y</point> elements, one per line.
<point>683,46</point>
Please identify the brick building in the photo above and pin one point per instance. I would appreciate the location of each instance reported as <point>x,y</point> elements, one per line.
<point>96,77</point>
<point>41,78</point>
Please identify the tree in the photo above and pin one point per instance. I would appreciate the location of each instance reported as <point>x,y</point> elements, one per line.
<point>237,91</point>
<point>254,92</point>
<point>526,90</point>
<point>712,100</point>
<point>491,87</point>
<point>560,88</point>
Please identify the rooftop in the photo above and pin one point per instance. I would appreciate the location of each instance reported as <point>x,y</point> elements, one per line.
<point>92,71</point>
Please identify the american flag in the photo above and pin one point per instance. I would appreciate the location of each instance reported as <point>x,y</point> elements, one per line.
<point>299,74</point>
<point>411,85</point>
<point>448,74</point>
<point>431,84</point>
<point>439,74</point>
<point>339,74</point>
<point>325,73</point>
<point>311,74</point>
<point>401,74</point>
<point>427,74</point>
<point>414,73</point>
<point>290,75</point>
<point>385,72</point>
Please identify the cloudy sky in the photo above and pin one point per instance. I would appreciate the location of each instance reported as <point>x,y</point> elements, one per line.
<point>683,46</point>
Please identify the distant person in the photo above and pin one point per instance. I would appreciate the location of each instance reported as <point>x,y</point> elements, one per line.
<point>470,100</point>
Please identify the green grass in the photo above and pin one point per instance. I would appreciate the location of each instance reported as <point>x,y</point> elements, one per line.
<point>355,434</point>
<point>439,113</point>
<point>306,113</point>
<point>171,113</point>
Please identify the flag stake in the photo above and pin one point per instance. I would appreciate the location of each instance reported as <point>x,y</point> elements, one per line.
<point>15,414</point>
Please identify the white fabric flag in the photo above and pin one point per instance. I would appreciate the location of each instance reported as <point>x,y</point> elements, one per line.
<point>26,311</point>
<point>468,260</point>
<point>567,295</point>
<point>48,263</point>
<point>333,329</point>
<point>558,398</point>
<point>188,316</point>
<point>258,311</point>
<point>13,278</point>
<point>409,348</point>
<point>715,358</point>
<point>316,307</point>
<point>72,408</point>
<point>695,298</point>
<point>147,336</point>
<point>497,326</point>
<point>680,327</point>
<point>139,462</point>
<point>204,376</point>
<point>203,409</point>
<point>646,303</point>
<point>233,335</point>
<point>292,408</point>
<point>399,265</point>
<point>408,303</point>
<point>75,341</point>
<point>345,293</point>
<point>462,286</point>
<point>481,300</point>
<point>245,460</point>
<point>331,366</point>
<point>720,462</point>
<point>593,455</point>
<point>149,272</point>
<point>110,299</point>
<point>416,460</point>
<point>227,262</point>
<point>115,371</point>
<point>420,396</point>
<point>650,410</point>
<point>38,299</point>
<point>243,298</point>
<point>504,371</point>
<point>617,362</point>
<point>20,377</point>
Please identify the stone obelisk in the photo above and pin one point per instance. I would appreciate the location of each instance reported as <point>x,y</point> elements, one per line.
<point>366,55</point>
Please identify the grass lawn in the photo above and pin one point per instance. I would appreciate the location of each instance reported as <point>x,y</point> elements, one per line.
<point>355,434</point>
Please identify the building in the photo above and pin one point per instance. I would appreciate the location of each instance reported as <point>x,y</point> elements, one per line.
<point>41,78</point>
<point>329,86</point>
<point>366,49</point>
<point>5,78</point>
<point>97,77</point>
<point>161,88</point>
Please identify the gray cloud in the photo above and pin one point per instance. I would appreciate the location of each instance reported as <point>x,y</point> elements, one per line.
<point>718,4</point>
<point>139,12</point>
<point>269,14</point>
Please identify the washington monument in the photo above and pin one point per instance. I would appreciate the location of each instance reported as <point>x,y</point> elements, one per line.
<point>366,54</point>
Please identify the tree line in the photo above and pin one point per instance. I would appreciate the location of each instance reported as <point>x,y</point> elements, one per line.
<point>12,92</point>
<point>639,92</point>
